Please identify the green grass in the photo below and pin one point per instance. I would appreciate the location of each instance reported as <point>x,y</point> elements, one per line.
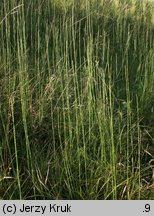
<point>76,99</point>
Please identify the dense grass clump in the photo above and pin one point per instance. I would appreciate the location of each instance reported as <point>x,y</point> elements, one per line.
<point>76,99</point>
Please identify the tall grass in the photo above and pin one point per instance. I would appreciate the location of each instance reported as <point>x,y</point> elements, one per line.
<point>76,99</point>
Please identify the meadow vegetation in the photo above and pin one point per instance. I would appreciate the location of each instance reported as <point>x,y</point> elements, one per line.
<point>76,99</point>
